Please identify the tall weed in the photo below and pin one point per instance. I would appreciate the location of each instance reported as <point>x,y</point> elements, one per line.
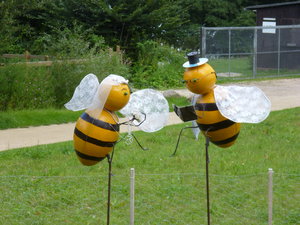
<point>68,75</point>
<point>158,66</point>
<point>33,87</point>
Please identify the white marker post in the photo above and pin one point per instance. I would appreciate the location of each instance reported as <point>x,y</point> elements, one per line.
<point>132,177</point>
<point>270,196</point>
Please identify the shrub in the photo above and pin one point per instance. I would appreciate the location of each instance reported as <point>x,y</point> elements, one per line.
<point>32,87</point>
<point>68,75</point>
<point>158,66</point>
<point>28,87</point>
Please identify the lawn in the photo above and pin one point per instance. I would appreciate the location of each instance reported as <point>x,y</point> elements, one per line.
<point>47,185</point>
<point>244,67</point>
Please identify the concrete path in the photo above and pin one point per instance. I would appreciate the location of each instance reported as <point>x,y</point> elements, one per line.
<point>283,93</point>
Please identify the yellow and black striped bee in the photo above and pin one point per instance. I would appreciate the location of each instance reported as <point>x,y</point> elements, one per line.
<point>96,131</point>
<point>220,110</point>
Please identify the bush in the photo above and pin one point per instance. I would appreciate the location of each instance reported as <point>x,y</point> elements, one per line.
<point>32,87</point>
<point>64,42</point>
<point>158,66</point>
<point>68,75</point>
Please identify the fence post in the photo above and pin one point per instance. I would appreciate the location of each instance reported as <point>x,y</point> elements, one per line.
<point>203,43</point>
<point>270,196</point>
<point>229,51</point>
<point>132,177</point>
<point>278,49</point>
<point>254,72</point>
<point>27,55</point>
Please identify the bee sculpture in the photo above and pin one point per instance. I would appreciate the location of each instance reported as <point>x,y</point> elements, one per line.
<point>220,110</point>
<point>97,129</point>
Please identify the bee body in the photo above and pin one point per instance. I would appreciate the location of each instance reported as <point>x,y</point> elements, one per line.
<point>221,131</point>
<point>95,138</point>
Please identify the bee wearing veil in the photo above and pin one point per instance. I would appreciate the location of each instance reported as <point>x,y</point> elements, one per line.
<point>97,129</point>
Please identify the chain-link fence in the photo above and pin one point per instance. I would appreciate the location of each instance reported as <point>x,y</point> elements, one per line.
<point>251,52</point>
<point>159,199</point>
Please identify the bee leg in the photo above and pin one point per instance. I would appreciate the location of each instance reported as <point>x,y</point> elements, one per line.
<point>144,149</point>
<point>179,136</point>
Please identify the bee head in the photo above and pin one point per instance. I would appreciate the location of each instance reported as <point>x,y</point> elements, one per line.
<point>199,76</point>
<point>118,97</point>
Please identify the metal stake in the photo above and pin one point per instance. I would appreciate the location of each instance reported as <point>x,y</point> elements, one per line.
<point>109,160</point>
<point>207,180</point>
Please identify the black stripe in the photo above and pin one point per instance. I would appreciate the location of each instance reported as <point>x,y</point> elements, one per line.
<point>88,157</point>
<point>100,123</point>
<point>215,126</point>
<point>226,141</point>
<point>94,141</point>
<point>206,106</point>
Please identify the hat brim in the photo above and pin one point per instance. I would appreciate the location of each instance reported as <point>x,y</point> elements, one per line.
<point>201,61</point>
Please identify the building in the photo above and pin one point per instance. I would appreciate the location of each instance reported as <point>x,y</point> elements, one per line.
<point>278,47</point>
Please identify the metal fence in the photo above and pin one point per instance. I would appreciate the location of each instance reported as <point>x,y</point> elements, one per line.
<point>251,52</point>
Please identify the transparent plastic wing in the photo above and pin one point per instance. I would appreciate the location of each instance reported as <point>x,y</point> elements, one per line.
<point>84,93</point>
<point>242,104</point>
<point>149,106</point>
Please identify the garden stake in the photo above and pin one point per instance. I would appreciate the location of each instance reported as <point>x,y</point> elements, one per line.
<point>109,160</point>
<point>207,179</point>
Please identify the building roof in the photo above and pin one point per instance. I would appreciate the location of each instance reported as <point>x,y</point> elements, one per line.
<point>272,5</point>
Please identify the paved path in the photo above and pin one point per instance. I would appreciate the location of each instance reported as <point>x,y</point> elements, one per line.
<point>283,93</point>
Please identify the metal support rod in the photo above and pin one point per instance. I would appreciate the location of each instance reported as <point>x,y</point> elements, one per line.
<point>270,197</point>
<point>109,159</point>
<point>132,181</point>
<point>207,179</point>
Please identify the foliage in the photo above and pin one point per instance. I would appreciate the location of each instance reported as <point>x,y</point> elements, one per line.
<point>72,42</point>
<point>30,24</point>
<point>30,87</point>
<point>158,66</point>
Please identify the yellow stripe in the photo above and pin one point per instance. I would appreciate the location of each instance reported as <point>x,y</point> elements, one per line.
<point>90,149</point>
<point>96,132</point>
<point>210,117</point>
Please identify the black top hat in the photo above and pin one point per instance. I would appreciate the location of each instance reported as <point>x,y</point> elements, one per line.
<point>194,60</point>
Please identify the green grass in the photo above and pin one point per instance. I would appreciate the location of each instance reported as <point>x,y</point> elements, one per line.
<point>37,117</point>
<point>47,185</point>
<point>244,66</point>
